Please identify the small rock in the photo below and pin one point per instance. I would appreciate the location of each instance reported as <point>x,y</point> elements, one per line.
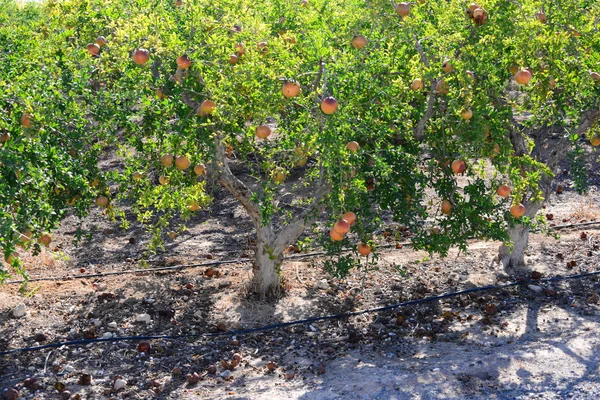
<point>176,371</point>
<point>211,369</point>
<point>107,335</point>
<point>19,311</point>
<point>68,368</point>
<point>119,384</point>
<point>40,337</point>
<point>143,318</point>
<point>66,395</point>
<point>225,374</point>
<point>322,284</point>
<point>535,288</point>
<point>112,325</point>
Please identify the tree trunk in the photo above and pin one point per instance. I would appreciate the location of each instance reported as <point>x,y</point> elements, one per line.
<point>513,257</point>
<point>266,279</point>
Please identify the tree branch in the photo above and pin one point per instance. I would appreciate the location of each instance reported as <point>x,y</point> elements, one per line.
<point>419,131</point>
<point>233,184</point>
<point>292,231</point>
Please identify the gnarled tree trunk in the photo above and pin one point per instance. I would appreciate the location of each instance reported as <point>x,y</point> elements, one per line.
<point>512,255</point>
<point>270,244</point>
<point>552,154</point>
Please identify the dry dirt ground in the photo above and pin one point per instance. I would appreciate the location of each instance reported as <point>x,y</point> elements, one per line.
<point>525,342</point>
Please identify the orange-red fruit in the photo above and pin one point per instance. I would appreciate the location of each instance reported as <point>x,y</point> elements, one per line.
<point>459,166</point>
<point>4,137</point>
<point>335,236</point>
<point>359,41</point>
<point>350,217</point>
<point>93,49</point>
<point>100,41</point>
<point>417,84</point>
<point>518,210</point>
<point>45,239</point>
<point>503,190</point>
<point>364,249</point>
<point>290,89</point>
<point>353,146</point>
<point>233,59</point>
<point>102,201</point>
<point>183,62</point>
<point>26,120</point>
<point>263,132</point>
<point>466,114</point>
<point>403,9</point>
<point>342,226</point>
<point>207,107</point>
<point>447,67</point>
<point>329,105</point>
<point>595,141</point>
<point>446,207</point>
<point>199,169</point>
<point>240,49</point>
<point>442,88</point>
<point>141,56</point>
<point>541,16</point>
<point>182,163</point>
<point>166,160</point>
<point>523,77</point>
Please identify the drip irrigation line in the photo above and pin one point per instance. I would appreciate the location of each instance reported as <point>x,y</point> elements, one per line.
<point>223,262</point>
<point>240,332</point>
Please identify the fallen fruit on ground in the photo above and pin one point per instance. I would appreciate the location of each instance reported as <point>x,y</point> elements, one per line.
<point>102,201</point>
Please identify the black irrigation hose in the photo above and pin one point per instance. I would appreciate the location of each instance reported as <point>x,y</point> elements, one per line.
<point>240,332</point>
<point>215,263</point>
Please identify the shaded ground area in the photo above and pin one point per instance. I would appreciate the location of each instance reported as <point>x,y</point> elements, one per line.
<point>512,343</point>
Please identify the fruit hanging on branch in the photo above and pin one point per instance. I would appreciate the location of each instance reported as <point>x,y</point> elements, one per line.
<point>140,56</point>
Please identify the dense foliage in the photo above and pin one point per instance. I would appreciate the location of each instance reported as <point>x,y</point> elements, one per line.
<point>83,106</point>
